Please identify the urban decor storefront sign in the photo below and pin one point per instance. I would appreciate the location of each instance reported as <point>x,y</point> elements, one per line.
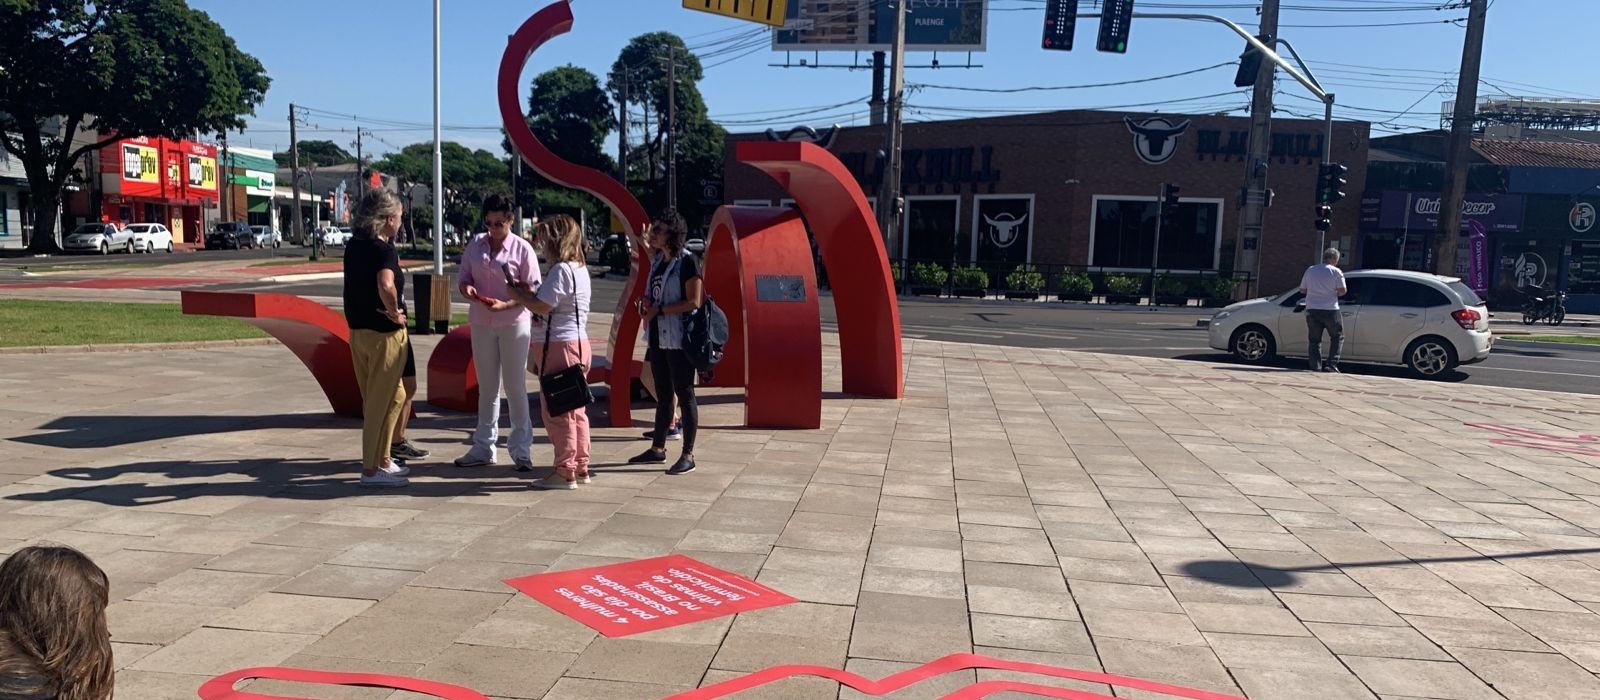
<point>1419,211</point>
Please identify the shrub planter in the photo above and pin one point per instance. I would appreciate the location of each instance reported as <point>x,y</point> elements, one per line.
<point>1165,300</point>
<point>1028,296</point>
<point>1123,299</point>
<point>1075,296</point>
<point>924,291</point>
<point>1215,303</point>
<point>969,293</point>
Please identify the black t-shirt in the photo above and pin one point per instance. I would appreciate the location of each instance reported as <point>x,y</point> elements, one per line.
<point>363,308</point>
<point>687,270</point>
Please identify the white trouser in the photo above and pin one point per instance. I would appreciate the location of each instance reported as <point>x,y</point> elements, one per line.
<point>500,355</point>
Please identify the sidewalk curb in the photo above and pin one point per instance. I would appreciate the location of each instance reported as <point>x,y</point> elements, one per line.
<point>316,276</point>
<point>137,347</point>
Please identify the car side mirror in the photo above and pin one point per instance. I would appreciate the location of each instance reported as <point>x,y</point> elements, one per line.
<point>1299,307</point>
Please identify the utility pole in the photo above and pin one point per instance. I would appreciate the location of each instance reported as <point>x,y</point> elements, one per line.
<point>438,159</point>
<point>294,183</point>
<point>225,187</point>
<point>672,127</point>
<point>876,103</point>
<point>1247,258</point>
<point>1446,236</point>
<point>622,130</point>
<point>889,191</point>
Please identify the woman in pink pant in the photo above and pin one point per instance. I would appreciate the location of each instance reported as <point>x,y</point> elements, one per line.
<point>564,300</point>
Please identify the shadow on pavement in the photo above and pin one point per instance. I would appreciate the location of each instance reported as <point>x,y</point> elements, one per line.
<point>1281,365</point>
<point>77,432</point>
<point>1241,575</point>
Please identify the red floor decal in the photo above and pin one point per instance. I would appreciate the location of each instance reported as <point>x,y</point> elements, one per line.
<point>221,687</point>
<point>1587,445</point>
<point>647,595</point>
<point>951,664</point>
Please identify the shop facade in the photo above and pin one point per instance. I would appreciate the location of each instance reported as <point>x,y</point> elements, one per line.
<point>1079,189</point>
<point>159,180</point>
<point>252,184</point>
<point>1559,248</point>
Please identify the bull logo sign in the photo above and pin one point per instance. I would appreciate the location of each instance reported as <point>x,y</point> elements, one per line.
<point>1156,139</point>
<point>1003,228</point>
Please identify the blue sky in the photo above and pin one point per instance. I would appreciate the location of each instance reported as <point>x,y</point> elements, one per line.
<point>373,59</point>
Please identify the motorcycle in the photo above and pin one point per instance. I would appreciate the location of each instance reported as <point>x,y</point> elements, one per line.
<point>1548,307</point>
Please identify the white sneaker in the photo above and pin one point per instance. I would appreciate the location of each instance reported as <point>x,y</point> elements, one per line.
<point>556,483</point>
<point>394,468</point>
<point>383,479</point>
<point>585,479</point>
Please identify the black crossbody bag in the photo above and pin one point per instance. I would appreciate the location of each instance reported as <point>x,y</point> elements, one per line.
<point>567,390</point>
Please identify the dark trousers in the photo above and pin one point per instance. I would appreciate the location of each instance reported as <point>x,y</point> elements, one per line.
<point>674,377</point>
<point>1317,321</point>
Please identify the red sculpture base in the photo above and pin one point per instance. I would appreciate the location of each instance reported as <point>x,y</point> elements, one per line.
<point>315,333</point>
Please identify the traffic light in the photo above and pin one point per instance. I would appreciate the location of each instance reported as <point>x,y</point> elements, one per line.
<point>1115,18</point>
<point>1324,217</point>
<point>1331,182</point>
<point>1060,21</point>
<point>1250,63</point>
<point>1169,204</point>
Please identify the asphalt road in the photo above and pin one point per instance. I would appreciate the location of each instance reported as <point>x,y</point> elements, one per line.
<point>1165,333</point>
<point>116,259</point>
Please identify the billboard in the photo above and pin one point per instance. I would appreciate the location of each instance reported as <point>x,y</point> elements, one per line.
<point>868,25</point>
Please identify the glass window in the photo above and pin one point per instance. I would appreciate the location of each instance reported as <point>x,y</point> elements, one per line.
<point>5,221</point>
<point>931,230</point>
<point>1468,297</point>
<point>1391,292</point>
<point>1357,290</point>
<point>1125,231</point>
<point>1583,268</point>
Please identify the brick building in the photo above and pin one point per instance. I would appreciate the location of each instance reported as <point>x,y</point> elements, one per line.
<point>1079,188</point>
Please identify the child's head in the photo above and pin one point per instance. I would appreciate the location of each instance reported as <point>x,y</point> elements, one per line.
<point>53,622</point>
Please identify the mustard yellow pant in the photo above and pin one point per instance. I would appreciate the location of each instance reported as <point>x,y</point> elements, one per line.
<point>379,360</point>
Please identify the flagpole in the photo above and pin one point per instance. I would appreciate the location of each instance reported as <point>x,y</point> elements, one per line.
<point>438,161</point>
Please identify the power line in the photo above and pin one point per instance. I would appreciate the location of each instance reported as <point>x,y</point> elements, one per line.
<point>1045,88</point>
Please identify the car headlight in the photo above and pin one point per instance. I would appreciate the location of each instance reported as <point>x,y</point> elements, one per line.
<point>1220,315</point>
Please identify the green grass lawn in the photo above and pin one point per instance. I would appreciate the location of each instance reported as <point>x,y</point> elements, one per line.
<point>25,323</point>
<point>1574,339</point>
<point>28,323</point>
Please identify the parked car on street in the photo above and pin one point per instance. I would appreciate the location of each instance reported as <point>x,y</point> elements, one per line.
<point>267,236</point>
<point>696,246</point>
<point>98,238</point>
<point>1430,324</point>
<point>149,238</point>
<point>336,236</point>
<point>230,234</point>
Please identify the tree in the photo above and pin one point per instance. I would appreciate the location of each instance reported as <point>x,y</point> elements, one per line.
<point>469,177</point>
<point>643,64</point>
<point>572,116</point>
<point>123,68</point>
<point>318,153</point>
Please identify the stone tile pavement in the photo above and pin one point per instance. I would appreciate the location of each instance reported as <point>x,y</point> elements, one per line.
<point>1272,534</point>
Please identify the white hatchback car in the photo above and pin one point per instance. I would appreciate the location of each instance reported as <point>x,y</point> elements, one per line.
<point>149,238</point>
<point>1428,323</point>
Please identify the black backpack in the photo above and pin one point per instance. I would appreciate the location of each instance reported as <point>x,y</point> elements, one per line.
<point>705,332</point>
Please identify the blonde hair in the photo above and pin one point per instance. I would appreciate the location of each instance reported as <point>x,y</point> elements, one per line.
<point>561,239</point>
<point>376,206</point>
<point>53,623</point>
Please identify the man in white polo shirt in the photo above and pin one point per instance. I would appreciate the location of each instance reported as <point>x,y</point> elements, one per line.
<point>1322,286</point>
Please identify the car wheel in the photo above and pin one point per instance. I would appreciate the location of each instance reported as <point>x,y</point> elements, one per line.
<point>129,249</point>
<point>169,247</point>
<point>104,248</point>
<point>1252,344</point>
<point>1430,357</point>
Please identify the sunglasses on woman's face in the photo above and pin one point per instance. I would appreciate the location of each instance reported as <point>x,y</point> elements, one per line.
<point>496,223</point>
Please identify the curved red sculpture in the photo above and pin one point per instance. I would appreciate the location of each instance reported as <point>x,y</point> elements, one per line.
<point>760,271</point>
<point>221,687</point>
<point>552,21</point>
<point>853,253</point>
<point>952,664</point>
<point>315,333</point>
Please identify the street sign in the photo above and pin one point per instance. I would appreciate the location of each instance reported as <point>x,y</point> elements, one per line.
<point>764,11</point>
<point>1060,21</point>
<point>1116,17</point>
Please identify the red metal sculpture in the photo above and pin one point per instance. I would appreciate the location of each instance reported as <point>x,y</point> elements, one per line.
<point>221,687</point>
<point>552,21</point>
<point>315,333</point>
<point>760,271</point>
<point>853,254</point>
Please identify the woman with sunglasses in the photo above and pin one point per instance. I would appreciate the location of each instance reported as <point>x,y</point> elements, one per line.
<point>491,265</point>
<point>675,289</point>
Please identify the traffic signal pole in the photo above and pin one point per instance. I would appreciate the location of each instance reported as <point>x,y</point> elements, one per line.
<point>1252,216</point>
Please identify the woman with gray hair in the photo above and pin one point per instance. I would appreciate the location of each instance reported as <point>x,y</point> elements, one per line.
<point>374,306</point>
